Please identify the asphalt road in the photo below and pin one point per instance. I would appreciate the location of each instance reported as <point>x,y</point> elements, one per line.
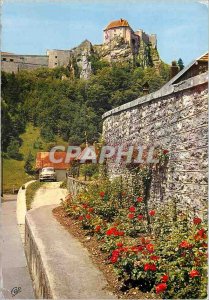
<point>15,277</point>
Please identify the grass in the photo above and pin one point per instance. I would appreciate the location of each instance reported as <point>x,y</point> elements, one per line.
<point>14,174</point>
<point>30,192</point>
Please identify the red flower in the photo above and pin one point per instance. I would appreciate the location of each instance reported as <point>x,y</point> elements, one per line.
<point>160,288</point>
<point>150,248</point>
<point>146,267</point>
<point>102,194</point>
<point>200,235</point>
<point>115,252</point>
<point>150,267</point>
<point>194,273</point>
<point>154,257</point>
<point>111,231</point>
<point>120,244</point>
<point>152,213</point>
<point>164,278</point>
<point>114,231</point>
<point>80,218</point>
<point>114,259</point>
<point>197,221</point>
<point>91,209</point>
<point>140,248</point>
<point>139,199</point>
<point>88,217</point>
<point>85,206</point>
<point>120,233</point>
<point>140,217</point>
<point>165,151</point>
<point>132,209</point>
<point>135,248</point>
<point>185,244</point>
<point>97,228</point>
<point>115,255</point>
<point>131,216</point>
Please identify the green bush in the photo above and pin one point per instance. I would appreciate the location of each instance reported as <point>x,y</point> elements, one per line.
<point>13,150</point>
<point>168,257</point>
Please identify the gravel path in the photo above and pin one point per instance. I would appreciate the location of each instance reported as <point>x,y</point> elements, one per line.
<point>50,193</point>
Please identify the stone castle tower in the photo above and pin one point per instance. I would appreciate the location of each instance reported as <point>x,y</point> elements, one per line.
<point>121,28</point>
<point>120,43</point>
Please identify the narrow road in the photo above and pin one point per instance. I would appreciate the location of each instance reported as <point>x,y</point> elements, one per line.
<point>50,193</point>
<point>15,277</point>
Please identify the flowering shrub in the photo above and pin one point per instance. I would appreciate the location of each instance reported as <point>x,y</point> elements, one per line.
<point>157,249</point>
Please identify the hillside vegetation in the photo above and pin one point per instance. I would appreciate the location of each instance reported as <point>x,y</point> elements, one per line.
<point>14,174</point>
<point>64,108</point>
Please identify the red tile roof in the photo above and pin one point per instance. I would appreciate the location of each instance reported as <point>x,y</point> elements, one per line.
<point>117,23</point>
<point>43,160</point>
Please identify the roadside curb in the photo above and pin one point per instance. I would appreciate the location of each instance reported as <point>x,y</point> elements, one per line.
<point>21,204</point>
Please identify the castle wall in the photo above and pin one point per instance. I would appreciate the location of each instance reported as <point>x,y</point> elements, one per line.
<point>175,118</point>
<point>143,36</point>
<point>153,40</point>
<point>58,58</point>
<point>15,62</point>
<point>124,32</point>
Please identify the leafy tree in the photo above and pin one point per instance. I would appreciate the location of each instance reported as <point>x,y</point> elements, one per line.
<point>29,169</point>
<point>13,150</point>
<point>70,107</point>
<point>88,170</point>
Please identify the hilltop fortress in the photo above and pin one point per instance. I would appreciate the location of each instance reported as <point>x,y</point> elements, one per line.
<point>121,28</point>
<point>120,43</point>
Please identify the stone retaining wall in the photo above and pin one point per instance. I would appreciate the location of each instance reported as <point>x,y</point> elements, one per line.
<point>175,118</point>
<point>38,274</point>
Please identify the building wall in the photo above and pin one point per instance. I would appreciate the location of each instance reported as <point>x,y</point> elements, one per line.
<point>58,58</point>
<point>13,63</point>
<point>175,118</point>
<point>61,174</point>
<point>124,32</point>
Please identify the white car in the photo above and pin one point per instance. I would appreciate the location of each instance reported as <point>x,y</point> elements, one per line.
<point>47,173</point>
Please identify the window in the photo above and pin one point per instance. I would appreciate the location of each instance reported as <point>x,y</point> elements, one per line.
<point>56,56</point>
<point>4,59</point>
<point>55,64</point>
<point>11,59</point>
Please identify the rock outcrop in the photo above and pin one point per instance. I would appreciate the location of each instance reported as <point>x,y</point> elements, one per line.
<point>116,50</point>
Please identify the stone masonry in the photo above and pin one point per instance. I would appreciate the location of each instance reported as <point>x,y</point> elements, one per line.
<point>175,118</point>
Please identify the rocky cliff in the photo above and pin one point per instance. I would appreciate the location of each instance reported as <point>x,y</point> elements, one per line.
<point>116,50</point>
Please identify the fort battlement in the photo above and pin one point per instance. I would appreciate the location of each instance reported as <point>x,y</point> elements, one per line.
<point>119,29</point>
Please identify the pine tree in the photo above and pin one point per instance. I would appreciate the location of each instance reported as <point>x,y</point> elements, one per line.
<point>180,64</point>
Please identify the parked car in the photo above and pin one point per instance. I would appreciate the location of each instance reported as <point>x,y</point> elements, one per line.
<point>47,174</point>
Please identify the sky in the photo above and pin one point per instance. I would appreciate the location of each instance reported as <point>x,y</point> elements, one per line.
<point>32,27</point>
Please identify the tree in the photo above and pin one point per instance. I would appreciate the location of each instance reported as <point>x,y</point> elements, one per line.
<point>29,164</point>
<point>88,170</point>
<point>180,64</point>
<point>13,150</point>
